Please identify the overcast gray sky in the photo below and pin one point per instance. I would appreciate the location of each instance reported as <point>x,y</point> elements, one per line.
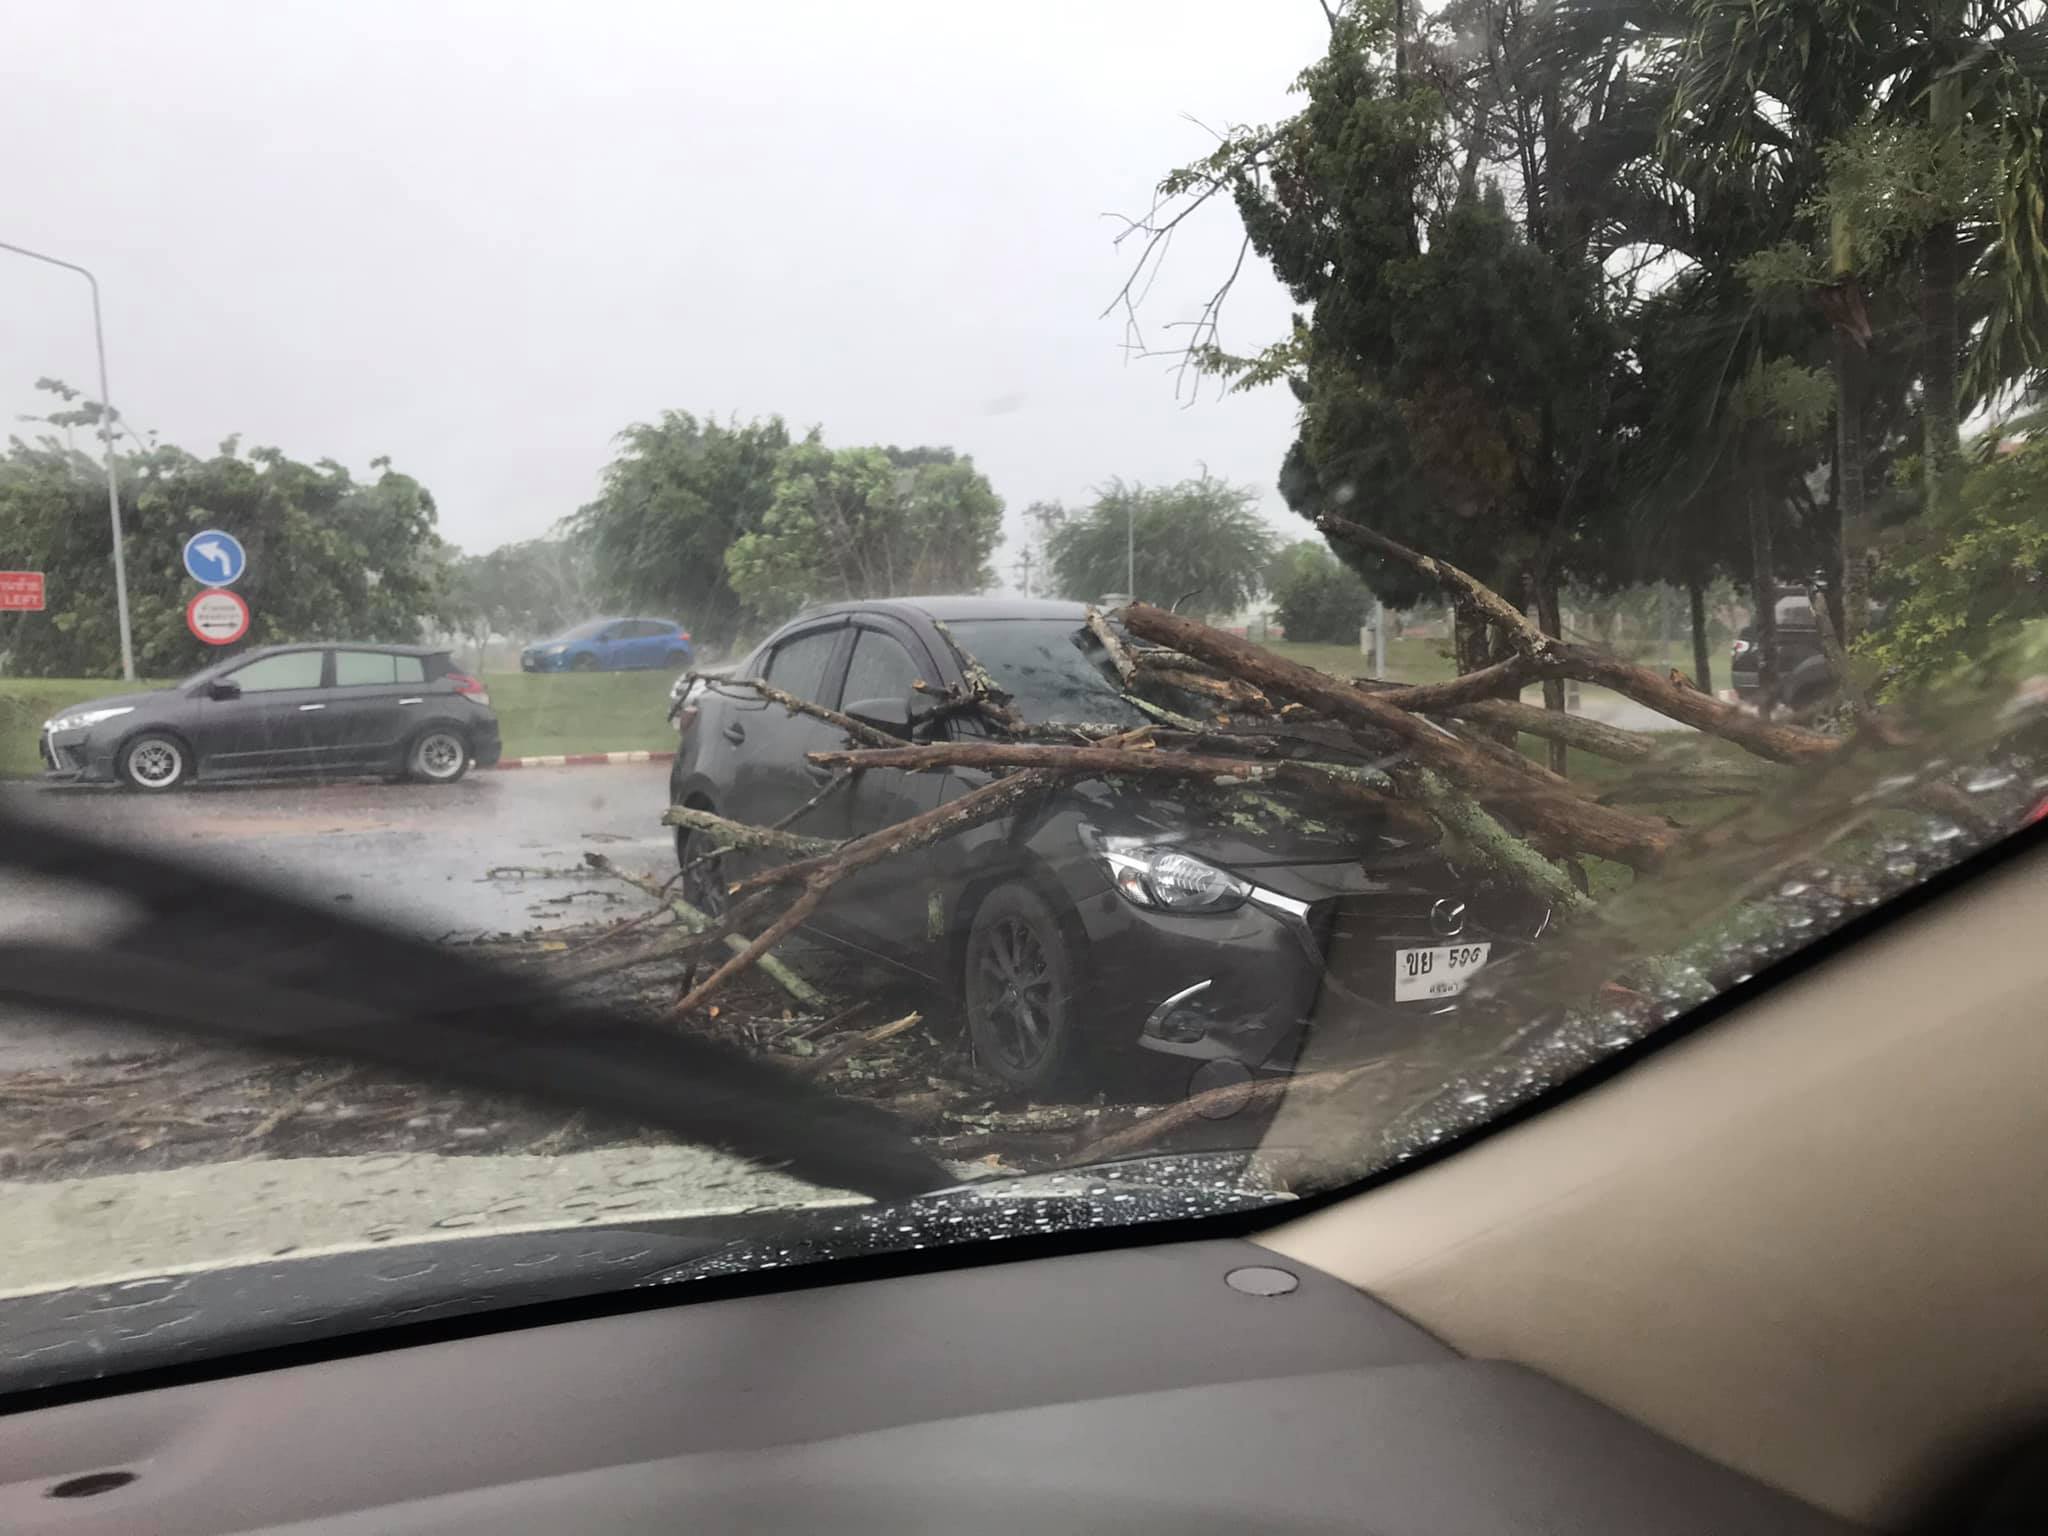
<point>483,237</point>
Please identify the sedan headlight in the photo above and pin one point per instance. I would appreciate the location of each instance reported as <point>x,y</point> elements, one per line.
<point>1165,879</point>
<point>85,719</point>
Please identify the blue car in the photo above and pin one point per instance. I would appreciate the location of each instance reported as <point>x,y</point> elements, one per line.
<point>611,645</point>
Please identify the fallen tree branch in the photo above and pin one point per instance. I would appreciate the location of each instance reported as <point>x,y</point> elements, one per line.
<point>1112,644</point>
<point>819,1065</point>
<point>1555,816</point>
<point>1776,743</point>
<point>1213,1104</point>
<point>1493,683</point>
<point>699,925</point>
<point>817,876</point>
<point>1463,586</point>
<point>796,706</point>
<point>1468,821</point>
<point>740,834</point>
<point>1555,658</point>
<point>1363,786</point>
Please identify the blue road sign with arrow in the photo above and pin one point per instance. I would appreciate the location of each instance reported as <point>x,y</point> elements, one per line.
<point>215,559</point>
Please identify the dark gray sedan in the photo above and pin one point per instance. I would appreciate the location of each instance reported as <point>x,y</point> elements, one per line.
<point>285,709</point>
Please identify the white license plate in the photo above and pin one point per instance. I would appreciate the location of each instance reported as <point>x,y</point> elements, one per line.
<point>1427,973</point>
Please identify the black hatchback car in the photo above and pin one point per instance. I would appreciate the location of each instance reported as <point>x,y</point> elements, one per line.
<point>397,710</point>
<point>1105,916</point>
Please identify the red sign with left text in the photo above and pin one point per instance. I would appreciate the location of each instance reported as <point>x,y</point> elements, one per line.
<point>21,591</point>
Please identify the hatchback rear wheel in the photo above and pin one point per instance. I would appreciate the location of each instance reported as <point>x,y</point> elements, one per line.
<point>439,756</point>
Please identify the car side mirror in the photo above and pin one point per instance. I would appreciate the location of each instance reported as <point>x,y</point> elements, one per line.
<point>895,717</point>
<point>221,688</point>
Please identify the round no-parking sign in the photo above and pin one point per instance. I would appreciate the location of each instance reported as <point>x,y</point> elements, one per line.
<point>218,618</point>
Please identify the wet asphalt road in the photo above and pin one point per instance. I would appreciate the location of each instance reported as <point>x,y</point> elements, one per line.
<point>500,852</point>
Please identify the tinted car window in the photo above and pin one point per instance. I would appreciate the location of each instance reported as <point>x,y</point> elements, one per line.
<point>1054,667</point>
<point>294,669</point>
<point>798,666</point>
<point>881,669</point>
<point>647,629</point>
<point>362,669</point>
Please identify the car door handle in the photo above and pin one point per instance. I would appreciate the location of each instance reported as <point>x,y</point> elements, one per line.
<point>735,734</point>
<point>304,707</point>
<point>412,701</point>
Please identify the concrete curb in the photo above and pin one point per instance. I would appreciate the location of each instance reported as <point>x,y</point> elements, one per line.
<point>582,760</point>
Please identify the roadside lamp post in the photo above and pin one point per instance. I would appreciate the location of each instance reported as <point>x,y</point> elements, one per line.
<point>99,338</point>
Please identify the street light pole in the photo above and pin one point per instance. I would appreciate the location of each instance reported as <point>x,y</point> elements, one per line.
<point>1131,547</point>
<point>99,339</point>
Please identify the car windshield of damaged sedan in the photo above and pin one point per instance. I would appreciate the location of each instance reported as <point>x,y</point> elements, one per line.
<point>1483,553</point>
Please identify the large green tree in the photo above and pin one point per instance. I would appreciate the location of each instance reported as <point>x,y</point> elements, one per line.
<point>524,591</point>
<point>1199,543</point>
<point>866,522</point>
<point>1316,596</point>
<point>680,493</point>
<point>330,557</point>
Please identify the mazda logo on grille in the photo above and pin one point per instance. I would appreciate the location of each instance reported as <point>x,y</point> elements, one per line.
<point>1447,917</point>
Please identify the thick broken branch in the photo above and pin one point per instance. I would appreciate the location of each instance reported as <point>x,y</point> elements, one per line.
<point>1553,815</point>
<point>1498,682</point>
<point>1594,736</point>
<point>1113,645</point>
<point>1779,743</point>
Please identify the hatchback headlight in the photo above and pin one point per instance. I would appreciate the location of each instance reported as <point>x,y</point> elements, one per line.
<point>1165,879</point>
<point>85,719</point>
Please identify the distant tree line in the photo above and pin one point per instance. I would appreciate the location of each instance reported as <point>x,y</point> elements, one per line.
<point>329,555</point>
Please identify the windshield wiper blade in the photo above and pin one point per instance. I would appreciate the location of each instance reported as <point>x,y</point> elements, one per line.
<point>219,957</point>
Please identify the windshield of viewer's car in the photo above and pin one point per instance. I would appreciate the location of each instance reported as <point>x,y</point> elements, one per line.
<point>1231,591</point>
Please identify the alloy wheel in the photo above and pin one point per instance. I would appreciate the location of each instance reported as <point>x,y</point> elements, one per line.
<point>155,763</point>
<point>439,756</point>
<point>1016,982</point>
